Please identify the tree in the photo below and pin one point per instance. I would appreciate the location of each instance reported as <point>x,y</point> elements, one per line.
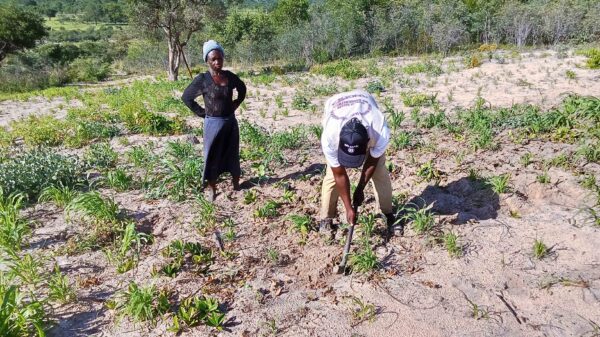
<point>19,29</point>
<point>288,13</point>
<point>177,19</point>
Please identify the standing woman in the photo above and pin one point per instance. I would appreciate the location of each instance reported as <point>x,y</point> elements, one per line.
<point>221,132</point>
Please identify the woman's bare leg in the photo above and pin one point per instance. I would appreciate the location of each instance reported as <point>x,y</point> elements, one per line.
<point>236,182</point>
<point>212,190</point>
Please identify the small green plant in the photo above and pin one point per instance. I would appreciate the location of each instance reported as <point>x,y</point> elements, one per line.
<point>499,184</point>
<point>591,152</point>
<point>301,224</point>
<point>180,150</point>
<point>526,159</point>
<point>28,269</point>
<point>268,210</point>
<point>100,156</point>
<point>127,249</point>
<point>194,311</point>
<point>273,255</point>
<point>375,87</point>
<point>428,172</point>
<point>20,316</point>
<point>138,119</point>
<point>593,54</point>
<point>250,197</point>
<point>13,228</point>
<point>415,99</point>
<point>288,196</point>
<point>140,156</point>
<point>61,196</point>
<point>402,140</point>
<point>301,102</point>
<point>279,101</point>
<point>42,130</point>
<point>589,182</point>
<point>363,311</point>
<point>59,288</point>
<point>539,249</point>
<point>141,303</point>
<point>571,74</point>
<point>364,260</point>
<point>206,215</point>
<point>421,218</point>
<point>181,178</point>
<point>451,243</point>
<point>543,178</point>
<point>118,179</point>
<point>93,206</point>
<point>423,67</point>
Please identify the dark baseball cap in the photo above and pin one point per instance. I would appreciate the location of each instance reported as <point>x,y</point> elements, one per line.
<point>353,144</point>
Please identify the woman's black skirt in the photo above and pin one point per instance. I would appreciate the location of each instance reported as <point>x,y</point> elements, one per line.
<point>221,147</point>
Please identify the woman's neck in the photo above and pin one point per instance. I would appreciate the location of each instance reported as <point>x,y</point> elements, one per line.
<point>215,72</point>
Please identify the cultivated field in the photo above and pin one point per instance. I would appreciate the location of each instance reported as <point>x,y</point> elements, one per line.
<point>494,160</point>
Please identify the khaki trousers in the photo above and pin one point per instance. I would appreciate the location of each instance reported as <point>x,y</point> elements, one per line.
<point>380,181</point>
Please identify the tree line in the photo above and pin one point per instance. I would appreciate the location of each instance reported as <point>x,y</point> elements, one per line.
<point>308,31</point>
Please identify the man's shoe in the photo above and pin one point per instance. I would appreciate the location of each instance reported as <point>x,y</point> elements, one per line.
<point>326,226</point>
<point>395,227</point>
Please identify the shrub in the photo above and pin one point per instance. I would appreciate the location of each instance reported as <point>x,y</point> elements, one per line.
<point>31,171</point>
<point>423,67</point>
<point>301,102</point>
<point>138,119</point>
<point>6,138</point>
<point>83,132</point>
<point>40,130</point>
<point>343,68</point>
<point>141,303</point>
<point>88,70</point>
<point>413,99</point>
<point>100,156</point>
<point>593,54</point>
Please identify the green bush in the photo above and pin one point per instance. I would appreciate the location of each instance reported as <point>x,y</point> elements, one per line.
<point>343,68</point>
<point>88,70</point>
<point>6,138</point>
<point>138,119</point>
<point>593,61</point>
<point>31,171</point>
<point>100,156</point>
<point>422,67</point>
<point>83,132</point>
<point>44,130</point>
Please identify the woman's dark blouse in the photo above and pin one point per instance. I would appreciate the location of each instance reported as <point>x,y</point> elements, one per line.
<point>217,99</point>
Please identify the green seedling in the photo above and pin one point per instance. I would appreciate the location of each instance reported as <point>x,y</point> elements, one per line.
<point>268,210</point>
<point>363,311</point>
<point>540,250</point>
<point>428,172</point>
<point>301,224</point>
<point>499,184</point>
<point>451,243</point>
<point>60,196</point>
<point>59,289</point>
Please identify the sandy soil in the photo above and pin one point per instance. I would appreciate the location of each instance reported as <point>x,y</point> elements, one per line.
<point>497,288</point>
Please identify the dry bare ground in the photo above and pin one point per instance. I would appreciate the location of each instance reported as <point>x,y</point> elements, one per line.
<point>277,285</point>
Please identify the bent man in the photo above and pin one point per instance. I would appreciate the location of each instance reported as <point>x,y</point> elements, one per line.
<point>354,134</point>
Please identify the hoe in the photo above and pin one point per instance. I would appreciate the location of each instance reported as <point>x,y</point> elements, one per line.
<point>341,268</point>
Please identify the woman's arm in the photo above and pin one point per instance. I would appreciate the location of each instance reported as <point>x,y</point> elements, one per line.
<point>240,86</point>
<point>191,93</point>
